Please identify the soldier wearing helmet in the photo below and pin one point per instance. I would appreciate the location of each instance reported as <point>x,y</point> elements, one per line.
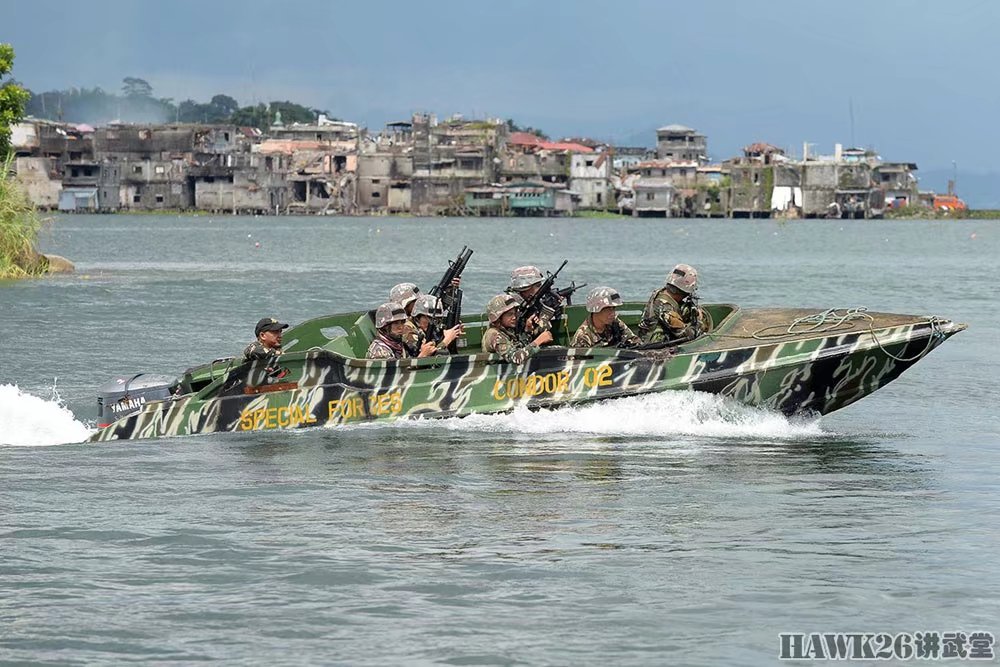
<point>672,312</point>
<point>390,320</point>
<point>501,338</point>
<point>525,281</point>
<point>406,294</point>
<point>603,328</point>
<point>426,317</point>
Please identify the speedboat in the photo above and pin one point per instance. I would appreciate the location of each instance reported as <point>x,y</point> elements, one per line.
<point>796,361</point>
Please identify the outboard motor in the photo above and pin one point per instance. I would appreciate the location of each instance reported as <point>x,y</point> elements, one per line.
<point>124,395</point>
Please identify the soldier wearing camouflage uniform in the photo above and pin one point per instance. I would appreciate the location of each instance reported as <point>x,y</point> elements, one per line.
<point>268,343</point>
<point>525,282</point>
<point>427,315</point>
<point>406,295</point>
<point>390,320</point>
<point>501,338</point>
<point>672,312</point>
<point>603,328</point>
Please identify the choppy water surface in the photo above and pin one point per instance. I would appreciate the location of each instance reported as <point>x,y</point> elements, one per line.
<point>667,529</point>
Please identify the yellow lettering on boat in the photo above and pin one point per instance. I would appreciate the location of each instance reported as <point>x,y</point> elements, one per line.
<point>531,385</point>
<point>280,417</point>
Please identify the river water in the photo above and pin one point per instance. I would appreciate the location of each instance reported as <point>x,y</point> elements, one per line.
<point>670,529</point>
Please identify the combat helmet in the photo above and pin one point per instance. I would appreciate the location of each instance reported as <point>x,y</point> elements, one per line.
<point>601,298</point>
<point>684,278</point>
<point>524,277</point>
<point>389,312</point>
<point>429,305</point>
<point>404,293</point>
<point>500,304</point>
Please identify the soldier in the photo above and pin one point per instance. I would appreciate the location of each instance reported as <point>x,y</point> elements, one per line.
<point>268,343</point>
<point>406,295</point>
<point>525,281</point>
<point>501,337</point>
<point>390,320</point>
<point>427,314</point>
<point>672,312</point>
<point>603,328</point>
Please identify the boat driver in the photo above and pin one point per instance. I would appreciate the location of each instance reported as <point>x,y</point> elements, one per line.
<point>268,344</point>
<point>391,322</point>
<point>672,313</point>
<point>603,327</point>
<point>501,338</point>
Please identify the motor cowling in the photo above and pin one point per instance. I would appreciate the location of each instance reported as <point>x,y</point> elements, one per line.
<point>127,394</point>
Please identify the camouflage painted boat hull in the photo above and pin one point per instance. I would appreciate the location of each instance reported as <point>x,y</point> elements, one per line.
<point>758,357</point>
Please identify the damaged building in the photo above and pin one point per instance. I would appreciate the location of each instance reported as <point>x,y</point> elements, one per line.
<point>450,156</point>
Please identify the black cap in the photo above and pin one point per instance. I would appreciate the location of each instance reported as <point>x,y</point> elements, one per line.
<point>268,324</point>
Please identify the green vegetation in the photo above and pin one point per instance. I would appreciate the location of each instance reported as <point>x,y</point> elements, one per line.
<point>611,215</point>
<point>136,103</point>
<point>982,214</point>
<point>12,99</point>
<point>19,223</point>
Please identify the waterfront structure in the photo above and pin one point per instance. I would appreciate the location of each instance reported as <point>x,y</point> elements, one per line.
<point>590,178</point>
<point>455,167</point>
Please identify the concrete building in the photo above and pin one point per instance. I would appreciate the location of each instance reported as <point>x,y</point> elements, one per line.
<point>590,177</point>
<point>385,170</point>
<point>681,143</point>
<point>898,183</point>
<point>322,161</point>
<point>653,196</point>
<point>449,157</point>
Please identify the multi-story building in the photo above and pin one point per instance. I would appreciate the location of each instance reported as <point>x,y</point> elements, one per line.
<point>681,143</point>
<point>450,156</point>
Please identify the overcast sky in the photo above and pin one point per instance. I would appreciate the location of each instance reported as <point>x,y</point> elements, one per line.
<point>920,75</point>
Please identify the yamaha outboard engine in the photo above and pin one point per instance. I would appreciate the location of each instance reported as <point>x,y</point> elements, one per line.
<point>124,395</point>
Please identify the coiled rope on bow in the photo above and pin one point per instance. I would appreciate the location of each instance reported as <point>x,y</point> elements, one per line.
<point>824,322</point>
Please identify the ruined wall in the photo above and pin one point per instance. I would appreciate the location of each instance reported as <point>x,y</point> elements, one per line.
<point>35,176</point>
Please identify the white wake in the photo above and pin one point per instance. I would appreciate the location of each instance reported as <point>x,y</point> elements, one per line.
<point>29,421</point>
<point>665,414</point>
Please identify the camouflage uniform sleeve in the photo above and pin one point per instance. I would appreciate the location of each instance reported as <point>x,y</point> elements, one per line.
<point>255,351</point>
<point>379,351</point>
<point>497,342</point>
<point>706,320</point>
<point>626,336</point>
<point>413,338</point>
<point>584,337</point>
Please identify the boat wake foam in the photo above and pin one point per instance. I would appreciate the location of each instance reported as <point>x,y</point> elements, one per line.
<point>29,421</point>
<point>674,414</point>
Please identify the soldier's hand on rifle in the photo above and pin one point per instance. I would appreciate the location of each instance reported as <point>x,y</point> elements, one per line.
<point>531,322</point>
<point>452,334</point>
<point>427,349</point>
<point>543,338</point>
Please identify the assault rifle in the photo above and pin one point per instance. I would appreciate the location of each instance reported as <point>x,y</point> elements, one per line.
<point>566,293</point>
<point>545,300</point>
<point>451,296</point>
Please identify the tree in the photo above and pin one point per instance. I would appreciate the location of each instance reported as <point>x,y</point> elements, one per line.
<point>13,99</point>
<point>225,105</point>
<point>134,87</point>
